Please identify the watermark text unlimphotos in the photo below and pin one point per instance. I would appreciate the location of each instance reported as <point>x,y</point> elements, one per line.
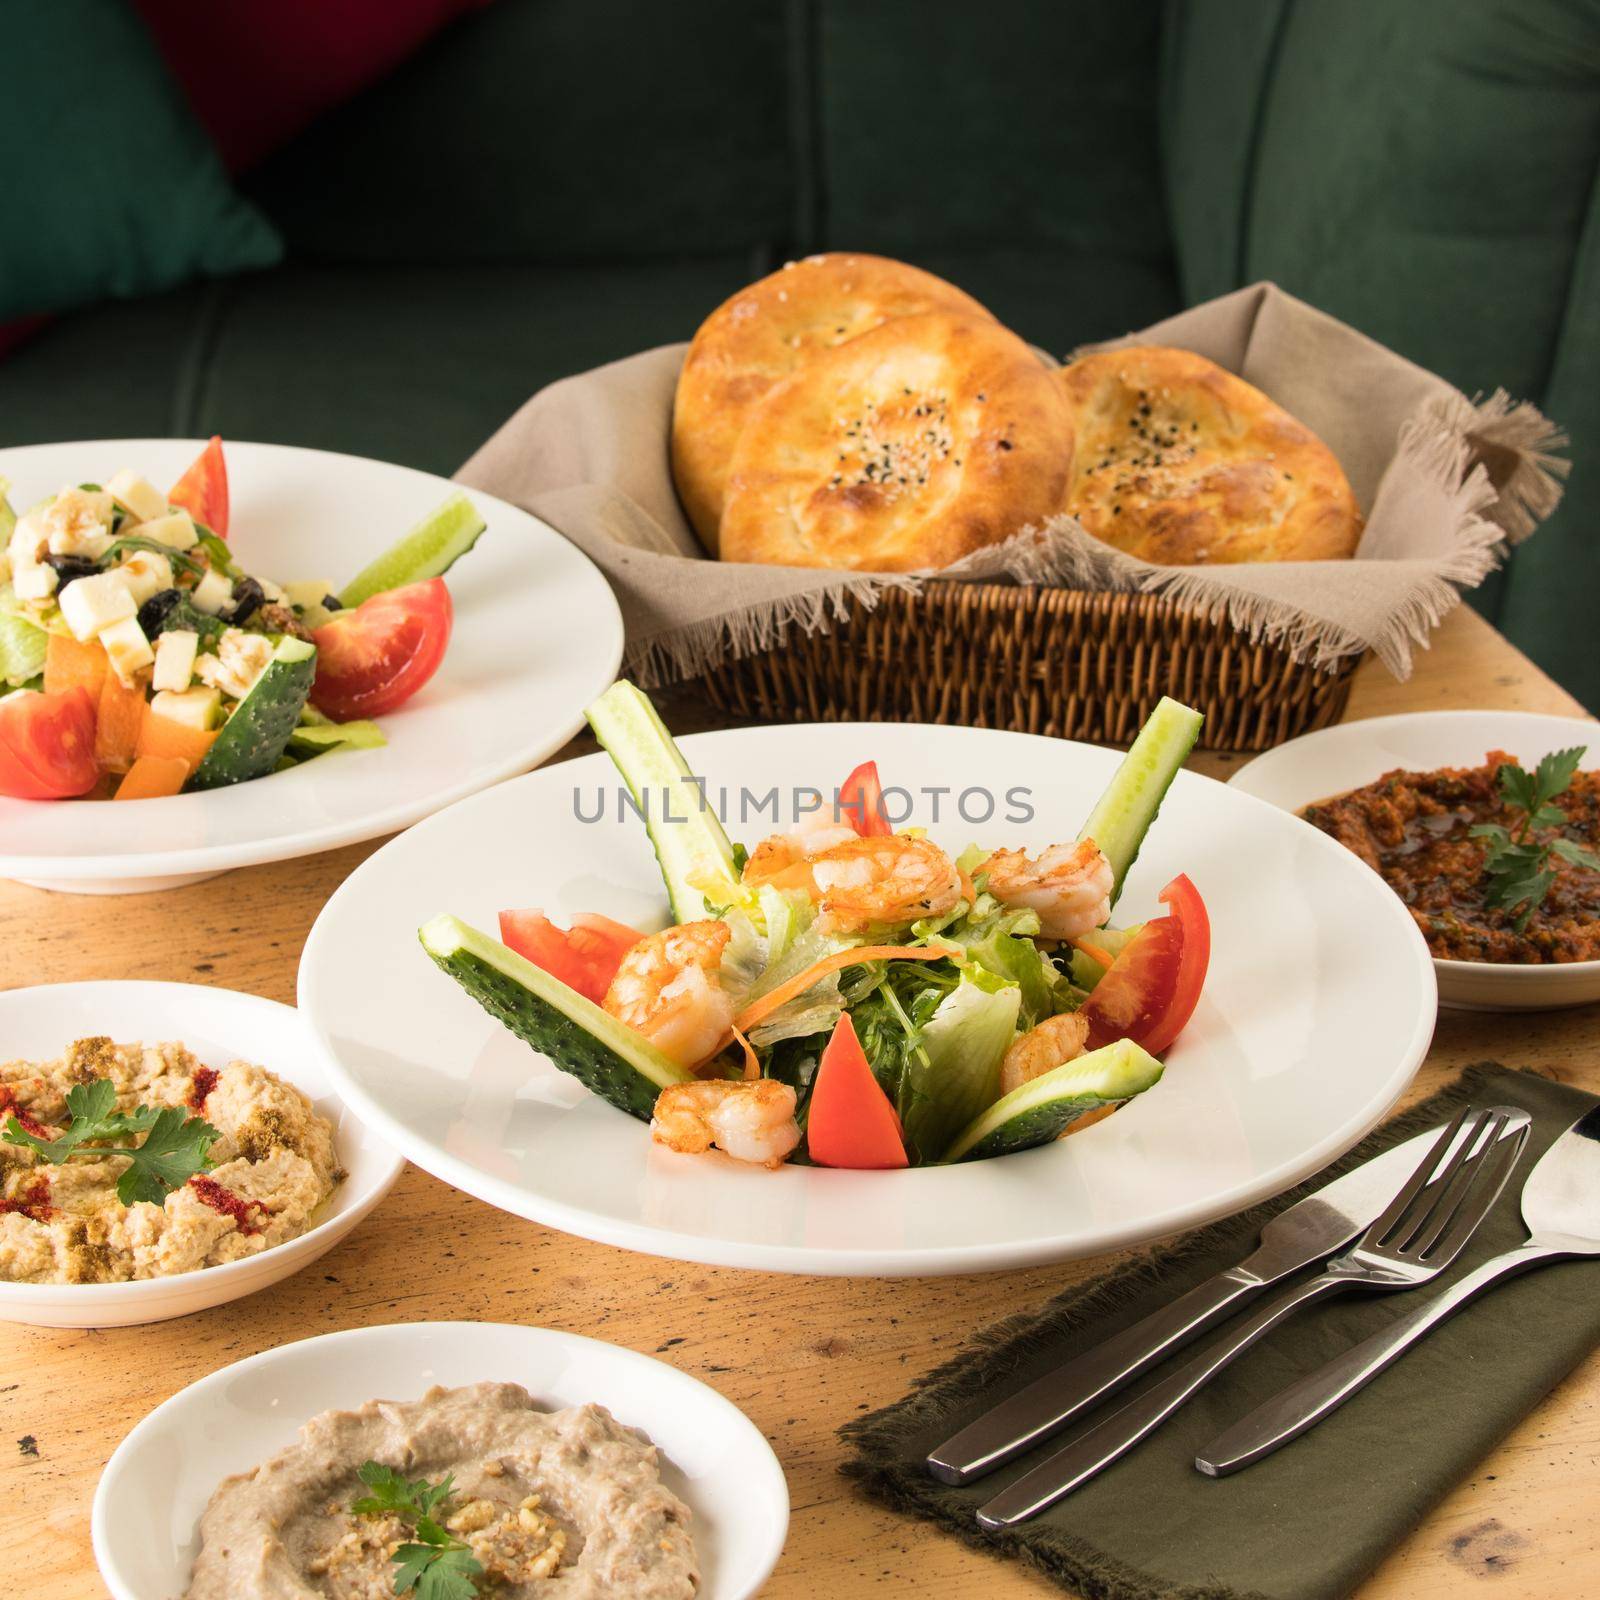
<point>742,807</point>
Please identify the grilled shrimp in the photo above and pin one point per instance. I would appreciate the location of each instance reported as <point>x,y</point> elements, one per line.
<point>861,883</point>
<point>1056,1040</point>
<point>751,1121</point>
<point>669,988</point>
<point>1069,886</point>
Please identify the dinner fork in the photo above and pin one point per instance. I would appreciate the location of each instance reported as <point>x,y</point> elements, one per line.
<point>1415,1239</point>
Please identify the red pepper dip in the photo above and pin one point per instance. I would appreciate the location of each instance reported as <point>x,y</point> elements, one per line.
<point>1412,828</point>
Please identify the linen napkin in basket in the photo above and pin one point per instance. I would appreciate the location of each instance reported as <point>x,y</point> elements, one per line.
<point>1310,1521</point>
<point>1444,483</point>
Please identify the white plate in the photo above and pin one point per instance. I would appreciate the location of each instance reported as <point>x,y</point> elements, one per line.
<point>537,636</point>
<point>155,1487</point>
<point>219,1026</point>
<point>1321,765</point>
<point>1319,1007</point>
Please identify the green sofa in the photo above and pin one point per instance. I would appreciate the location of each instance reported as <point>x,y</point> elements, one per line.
<point>550,185</point>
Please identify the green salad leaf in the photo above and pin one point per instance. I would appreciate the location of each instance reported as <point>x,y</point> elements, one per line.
<point>22,650</point>
<point>955,1075</point>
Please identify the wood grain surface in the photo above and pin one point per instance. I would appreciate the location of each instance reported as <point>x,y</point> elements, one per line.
<point>799,1355</point>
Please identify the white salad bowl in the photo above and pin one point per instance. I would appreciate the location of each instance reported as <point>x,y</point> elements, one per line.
<point>1319,766</point>
<point>157,1483</point>
<point>219,1026</point>
<point>537,635</point>
<point>1319,1006</point>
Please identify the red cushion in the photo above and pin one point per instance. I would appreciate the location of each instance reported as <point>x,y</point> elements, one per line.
<point>13,333</point>
<point>258,71</point>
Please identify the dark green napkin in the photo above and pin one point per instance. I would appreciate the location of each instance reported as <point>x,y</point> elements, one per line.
<point>1311,1521</point>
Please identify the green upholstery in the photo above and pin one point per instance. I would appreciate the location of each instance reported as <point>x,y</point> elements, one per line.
<point>550,185</point>
<point>1424,170</point>
<point>111,186</point>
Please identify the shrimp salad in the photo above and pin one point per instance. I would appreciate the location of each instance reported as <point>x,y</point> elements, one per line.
<point>845,994</point>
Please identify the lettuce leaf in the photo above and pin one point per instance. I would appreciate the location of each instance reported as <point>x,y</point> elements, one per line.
<point>22,650</point>
<point>955,1075</point>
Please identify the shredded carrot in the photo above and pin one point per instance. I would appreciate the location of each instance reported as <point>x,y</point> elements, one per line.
<point>969,890</point>
<point>1094,952</point>
<point>752,1062</point>
<point>785,992</point>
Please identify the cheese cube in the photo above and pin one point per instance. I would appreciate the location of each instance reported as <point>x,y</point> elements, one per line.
<point>175,530</point>
<point>145,574</point>
<point>305,593</point>
<point>213,592</point>
<point>197,708</point>
<point>128,649</point>
<point>141,497</point>
<point>33,581</point>
<point>89,605</point>
<point>175,652</point>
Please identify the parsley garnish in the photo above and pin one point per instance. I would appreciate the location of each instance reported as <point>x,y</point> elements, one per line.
<point>1517,864</point>
<point>435,1565</point>
<point>174,1149</point>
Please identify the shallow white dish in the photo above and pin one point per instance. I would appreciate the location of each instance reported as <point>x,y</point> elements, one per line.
<point>1319,766</point>
<point>219,1026</point>
<point>1319,1006</point>
<point>156,1485</point>
<point>537,636</point>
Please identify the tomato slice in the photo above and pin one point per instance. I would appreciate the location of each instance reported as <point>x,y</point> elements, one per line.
<point>47,745</point>
<point>850,1122</point>
<point>375,657</point>
<point>1151,989</point>
<point>861,801</point>
<point>203,490</point>
<point>585,956</point>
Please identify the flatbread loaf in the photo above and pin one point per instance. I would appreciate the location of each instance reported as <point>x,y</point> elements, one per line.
<point>766,332</point>
<point>906,448</point>
<point>1180,462</point>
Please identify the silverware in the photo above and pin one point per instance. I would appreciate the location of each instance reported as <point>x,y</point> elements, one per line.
<point>1309,1230</point>
<point>1418,1235</point>
<point>1561,1207</point>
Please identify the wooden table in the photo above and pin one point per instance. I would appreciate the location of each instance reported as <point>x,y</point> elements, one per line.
<point>799,1355</point>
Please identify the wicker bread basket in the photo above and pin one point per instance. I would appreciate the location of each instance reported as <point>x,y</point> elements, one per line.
<point>1063,662</point>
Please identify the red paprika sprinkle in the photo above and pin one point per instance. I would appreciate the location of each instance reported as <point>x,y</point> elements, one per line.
<point>34,1202</point>
<point>203,1082</point>
<point>225,1201</point>
<point>10,1108</point>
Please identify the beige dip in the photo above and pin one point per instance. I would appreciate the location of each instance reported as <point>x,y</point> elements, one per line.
<point>272,1169</point>
<point>565,1504</point>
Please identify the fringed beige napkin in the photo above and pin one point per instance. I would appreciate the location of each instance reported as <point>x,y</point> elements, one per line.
<point>1446,484</point>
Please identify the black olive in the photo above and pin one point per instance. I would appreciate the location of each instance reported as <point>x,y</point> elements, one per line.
<point>248,598</point>
<point>331,602</point>
<point>154,612</point>
<point>70,567</point>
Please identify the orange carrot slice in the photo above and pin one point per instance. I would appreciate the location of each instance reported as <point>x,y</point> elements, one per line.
<point>69,662</point>
<point>166,736</point>
<point>785,992</point>
<point>154,778</point>
<point>121,717</point>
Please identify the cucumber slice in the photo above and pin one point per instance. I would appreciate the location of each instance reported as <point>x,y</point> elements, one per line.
<point>605,1056</point>
<point>312,738</point>
<point>256,735</point>
<point>431,548</point>
<point>1045,1108</point>
<point>1123,814</point>
<point>690,844</point>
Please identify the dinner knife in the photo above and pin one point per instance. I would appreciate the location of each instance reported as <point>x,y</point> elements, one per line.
<point>1307,1231</point>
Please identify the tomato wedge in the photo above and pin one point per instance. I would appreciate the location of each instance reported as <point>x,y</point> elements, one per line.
<point>47,745</point>
<point>375,657</point>
<point>203,490</point>
<point>850,1122</point>
<point>861,801</point>
<point>585,956</point>
<point>1151,989</point>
